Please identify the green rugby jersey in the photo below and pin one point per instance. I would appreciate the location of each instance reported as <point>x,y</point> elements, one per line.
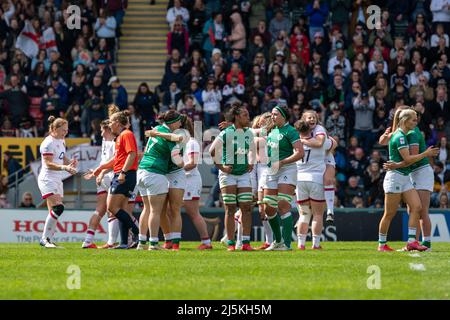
<point>397,142</point>
<point>157,153</point>
<point>235,148</point>
<point>280,142</point>
<point>415,137</point>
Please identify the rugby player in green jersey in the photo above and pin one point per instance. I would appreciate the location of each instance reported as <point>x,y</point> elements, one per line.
<point>152,182</point>
<point>284,149</point>
<point>397,184</point>
<point>233,152</point>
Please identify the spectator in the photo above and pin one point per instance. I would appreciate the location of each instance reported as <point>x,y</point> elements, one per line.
<point>105,27</point>
<point>51,105</point>
<point>73,117</point>
<point>364,107</point>
<point>340,60</point>
<point>12,166</point>
<point>440,106</point>
<point>17,100</point>
<point>7,128</point>
<point>238,34</point>
<point>444,150</point>
<point>189,108</point>
<point>27,128</point>
<point>119,93</point>
<point>373,182</point>
<point>262,31</point>
<point>279,24</point>
<point>146,104</point>
<point>4,204</point>
<point>174,75</point>
<point>213,34</point>
<point>178,38</point>
<point>93,110</point>
<point>212,98</point>
<point>177,11</point>
<point>352,190</point>
<point>335,123</point>
<point>443,200</point>
<point>27,201</point>
<point>171,98</point>
<point>341,11</point>
<point>317,13</point>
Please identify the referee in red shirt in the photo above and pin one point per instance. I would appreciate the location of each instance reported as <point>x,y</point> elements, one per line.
<point>124,164</point>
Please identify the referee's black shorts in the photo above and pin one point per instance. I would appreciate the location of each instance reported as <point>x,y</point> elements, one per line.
<point>125,188</point>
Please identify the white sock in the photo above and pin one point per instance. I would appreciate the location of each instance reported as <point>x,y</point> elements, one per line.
<point>113,230</point>
<point>382,239</point>
<point>412,234</point>
<point>206,241</point>
<point>168,236</point>
<point>154,239</point>
<point>176,235</point>
<point>89,235</point>
<point>239,232</point>
<point>50,225</point>
<point>267,231</point>
<point>143,237</point>
<point>301,239</point>
<point>316,241</point>
<point>428,239</point>
<point>245,238</point>
<point>329,198</point>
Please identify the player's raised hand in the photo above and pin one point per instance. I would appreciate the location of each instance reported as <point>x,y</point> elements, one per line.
<point>89,175</point>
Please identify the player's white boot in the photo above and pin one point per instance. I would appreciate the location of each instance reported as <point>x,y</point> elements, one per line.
<point>46,243</point>
<point>277,246</point>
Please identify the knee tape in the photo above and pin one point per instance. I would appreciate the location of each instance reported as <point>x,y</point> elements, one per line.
<point>229,198</point>
<point>305,214</point>
<point>245,197</point>
<point>58,209</point>
<point>271,201</point>
<point>285,197</point>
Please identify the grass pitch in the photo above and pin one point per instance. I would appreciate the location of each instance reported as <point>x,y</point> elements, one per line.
<point>341,271</point>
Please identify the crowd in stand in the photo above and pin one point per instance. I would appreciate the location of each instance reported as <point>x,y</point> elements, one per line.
<point>307,54</point>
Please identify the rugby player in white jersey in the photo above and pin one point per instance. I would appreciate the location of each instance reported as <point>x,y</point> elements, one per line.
<point>50,180</point>
<point>103,181</point>
<point>320,134</point>
<point>310,191</point>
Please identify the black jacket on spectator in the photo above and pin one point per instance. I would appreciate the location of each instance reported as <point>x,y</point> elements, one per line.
<point>77,94</point>
<point>437,110</point>
<point>170,77</point>
<point>18,103</point>
<point>146,106</point>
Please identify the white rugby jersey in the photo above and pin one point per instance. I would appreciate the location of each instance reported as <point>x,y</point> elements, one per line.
<point>108,148</point>
<point>56,148</point>
<point>319,130</point>
<point>312,166</point>
<point>192,146</point>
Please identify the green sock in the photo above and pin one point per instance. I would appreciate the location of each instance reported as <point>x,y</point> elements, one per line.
<point>176,241</point>
<point>275,223</point>
<point>426,244</point>
<point>231,242</point>
<point>153,243</point>
<point>142,242</point>
<point>287,224</point>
